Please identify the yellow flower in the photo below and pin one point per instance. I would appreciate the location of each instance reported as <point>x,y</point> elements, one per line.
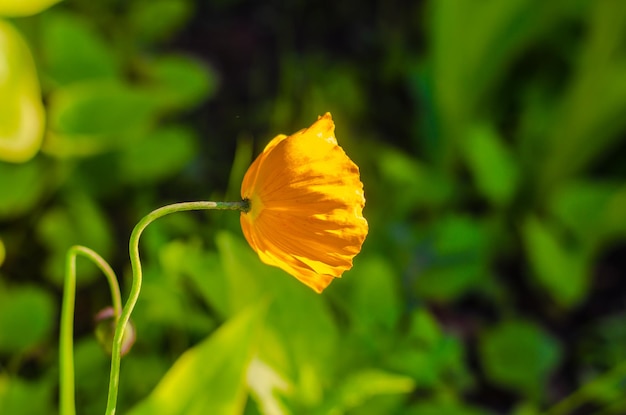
<point>306,205</point>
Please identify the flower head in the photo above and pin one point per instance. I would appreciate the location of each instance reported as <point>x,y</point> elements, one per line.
<point>306,205</point>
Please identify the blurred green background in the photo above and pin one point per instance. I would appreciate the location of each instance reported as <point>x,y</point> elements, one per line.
<point>490,137</point>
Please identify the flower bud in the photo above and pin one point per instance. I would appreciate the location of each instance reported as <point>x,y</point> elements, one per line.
<point>106,321</point>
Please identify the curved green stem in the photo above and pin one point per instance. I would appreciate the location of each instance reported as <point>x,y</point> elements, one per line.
<point>133,247</point>
<point>66,336</point>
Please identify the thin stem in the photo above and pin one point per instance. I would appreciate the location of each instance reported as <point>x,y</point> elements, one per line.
<point>133,248</point>
<point>66,336</point>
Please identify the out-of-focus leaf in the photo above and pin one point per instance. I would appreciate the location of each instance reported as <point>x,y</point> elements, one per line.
<point>92,117</point>
<point>180,82</point>
<point>203,268</point>
<point>3,252</point>
<point>159,155</point>
<point>594,211</point>
<point>301,337</point>
<point>249,279</point>
<point>581,205</point>
<point>22,115</point>
<point>156,20</point>
<point>165,303</point>
<point>98,108</point>
<point>519,355</point>
<point>413,184</point>
<point>614,223</point>
<point>429,364</point>
<point>562,271</point>
<point>339,87</point>
<point>601,349</point>
<point>330,87</point>
<point>417,363</point>
<point>246,280</point>
<point>210,377</point>
<point>22,397</point>
<point>467,60</point>
<point>26,318</point>
<point>74,51</point>
<point>265,384</point>
<point>92,367</point>
<point>372,312</point>
<point>22,187</point>
<point>440,408</point>
<point>492,165</point>
<point>143,371</point>
<point>459,259</point>
<point>526,408</point>
<point>81,222</point>
<point>591,115</point>
<point>15,8</point>
<point>424,329</point>
<point>360,386</point>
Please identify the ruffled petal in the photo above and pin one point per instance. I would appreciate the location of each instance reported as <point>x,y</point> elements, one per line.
<point>306,202</point>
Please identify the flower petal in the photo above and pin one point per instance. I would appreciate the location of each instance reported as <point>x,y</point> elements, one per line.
<point>306,205</point>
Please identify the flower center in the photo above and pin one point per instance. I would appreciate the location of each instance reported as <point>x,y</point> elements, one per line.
<point>256,206</point>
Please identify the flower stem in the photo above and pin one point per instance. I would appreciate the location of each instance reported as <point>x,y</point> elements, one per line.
<point>133,248</point>
<point>66,336</point>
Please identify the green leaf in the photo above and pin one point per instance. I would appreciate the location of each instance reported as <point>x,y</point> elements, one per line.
<point>581,205</point>
<point>92,117</point>
<point>613,219</point>
<point>15,8</point>
<point>593,211</point>
<point>440,408</point>
<point>203,268</point>
<point>430,364</point>
<point>75,51</point>
<point>363,385</point>
<point>92,366</point>
<point>424,328</point>
<point>3,252</point>
<point>210,377</point>
<point>428,355</point>
<point>22,397</point>
<point>418,364</point>
<point>98,108</point>
<point>519,355</point>
<point>180,82</point>
<point>562,271</point>
<point>525,408</point>
<point>79,222</point>
<point>22,114</point>
<point>459,261</point>
<point>413,184</point>
<point>159,155</point>
<point>337,85</point>
<point>27,317</point>
<point>590,118</point>
<point>302,336</point>
<point>22,187</point>
<point>156,20</point>
<point>372,312</point>
<point>166,304</point>
<point>266,386</point>
<point>492,165</point>
<point>467,60</point>
<point>246,277</point>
